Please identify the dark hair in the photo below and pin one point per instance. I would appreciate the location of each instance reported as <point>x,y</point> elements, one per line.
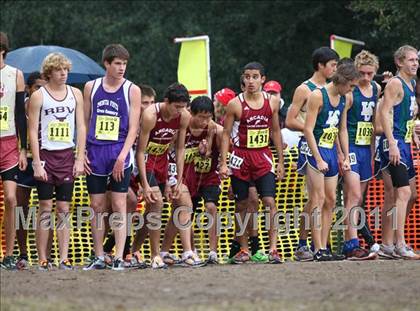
<point>345,60</point>
<point>4,43</point>
<point>147,90</point>
<point>177,92</point>
<point>241,81</point>
<point>202,104</point>
<point>33,76</point>
<point>112,51</point>
<point>345,72</point>
<point>323,55</point>
<point>254,66</point>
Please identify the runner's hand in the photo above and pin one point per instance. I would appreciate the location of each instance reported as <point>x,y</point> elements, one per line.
<point>78,168</point>
<point>118,170</point>
<point>176,191</point>
<point>23,160</point>
<point>223,171</point>
<point>280,171</point>
<point>322,166</point>
<point>149,195</point>
<point>394,153</point>
<point>88,170</point>
<point>346,165</point>
<point>39,172</point>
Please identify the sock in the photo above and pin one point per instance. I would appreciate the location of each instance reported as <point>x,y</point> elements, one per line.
<point>313,247</point>
<point>350,245</point>
<point>255,244</point>
<point>127,246</point>
<point>235,247</point>
<point>163,254</point>
<point>212,253</point>
<point>101,258</point>
<point>109,244</point>
<point>302,243</point>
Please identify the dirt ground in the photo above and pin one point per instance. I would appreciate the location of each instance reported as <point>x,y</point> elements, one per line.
<point>374,285</point>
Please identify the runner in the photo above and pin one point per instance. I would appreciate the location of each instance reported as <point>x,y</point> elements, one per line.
<point>360,128</point>
<point>251,158</point>
<point>112,112</point>
<point>12,116</point>
<point>26,181</point>
<point>325,113</point>
<point>400,98</point>
<point>324,62</point>
<point>55,116</point>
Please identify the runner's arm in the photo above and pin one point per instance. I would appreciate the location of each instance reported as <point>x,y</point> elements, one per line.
<point>133,121</point>
<point>81,125</point>
<point>20,115</point>
<point>180,144</point>
<point>300,97</point>
<point>314,105</point>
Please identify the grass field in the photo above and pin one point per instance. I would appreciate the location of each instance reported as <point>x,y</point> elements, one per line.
<point>371,285</point>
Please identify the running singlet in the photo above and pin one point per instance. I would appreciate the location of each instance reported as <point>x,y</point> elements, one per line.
<point>360,115</point>
<point>326,129</point>
<point>7,101</point>
<point>404,113</point>
<point>57,121</point>
<point>160,139</point>
<point>254,125</point>
<point>109,114</point>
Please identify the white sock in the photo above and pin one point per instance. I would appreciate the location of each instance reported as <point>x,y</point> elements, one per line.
<point>163,254</point>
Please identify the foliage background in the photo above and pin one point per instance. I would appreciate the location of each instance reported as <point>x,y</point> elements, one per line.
<point>280,34</point>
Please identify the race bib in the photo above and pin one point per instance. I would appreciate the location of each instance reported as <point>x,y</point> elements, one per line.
<point>235,162</point>
<point>202,165</point>
<point>352,158</point>
<point>59,131</point>
<point>172,169</point>
<point>386,145</point>
<point>156,149</point>
<point>4,118</point>
<point>257,138</point>
<point>107,128</point>
<point>409,133</point>
<point>327,138</point>
<point>364,133</point>
<point>190,154</point>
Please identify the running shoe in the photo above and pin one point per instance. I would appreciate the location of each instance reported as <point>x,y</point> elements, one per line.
<point>96,264</point>
<point>387,252</point>
<point>241,257</point>
<point>274,257</point>
<point>303,254</point>
<point>135,261</point>
<point>212,259</point>
<point>22,263</point>
<point>259,257</point>
<point>322,255</point>
<point>65,265</point>
<point>171,260</point>
<point>192,260</point>
<point>8,263</point>
<point>406,252</point>
<point>335,257</point>
<point>118,264</point>
<point>157,263</point>
<point>44,265</point>
<point>359,253</point>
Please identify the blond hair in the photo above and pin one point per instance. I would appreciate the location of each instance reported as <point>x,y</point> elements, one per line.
<point>54,61</point>
<point>401,53</point>
<point>366,58</point>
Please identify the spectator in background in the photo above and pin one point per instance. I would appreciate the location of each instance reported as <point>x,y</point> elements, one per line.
<point>221,99</point>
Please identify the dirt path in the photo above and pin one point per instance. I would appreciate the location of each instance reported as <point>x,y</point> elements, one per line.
<point>376,285</point>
